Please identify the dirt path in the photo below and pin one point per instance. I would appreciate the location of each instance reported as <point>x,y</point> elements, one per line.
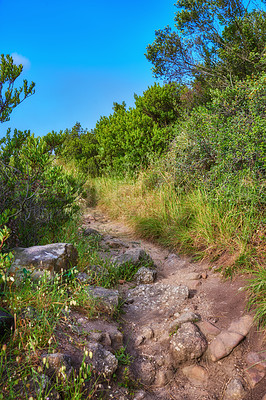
<point>150,315</point>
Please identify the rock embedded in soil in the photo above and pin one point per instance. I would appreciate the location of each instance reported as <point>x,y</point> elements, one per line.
<point>82,277</point>
<point>146,370</point>
<point>58,364</point>
<point>228,339</point>
<point>196,374</point>
<point>139,395</point>
<point>145,275</point>
<point>187,344</point>
<point>105,332</point>
<point>235,390</point>
<point>91,232</point>
<point>102,360</point>
<point>133,256</point>
<point>163,377</point>
<point>256,369</point>
<point>193,276</point>
<point>183,318</point>
<point>158,296</point>
<point>208,329</point>
<point>39,261</point>
<point>108,298</point>
<point>114,243</point>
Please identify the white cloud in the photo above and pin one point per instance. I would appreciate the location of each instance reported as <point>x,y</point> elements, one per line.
<point>19,59</point>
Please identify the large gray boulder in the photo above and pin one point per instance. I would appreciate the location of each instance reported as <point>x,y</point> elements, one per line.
<point>43,260</point>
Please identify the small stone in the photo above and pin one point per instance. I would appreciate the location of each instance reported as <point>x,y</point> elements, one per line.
<point>242,326</point>
<point>102,360</point>
<point>91,232</point>
<point>254,376</point>
<point>193,276</point>
<point>133,256</point>
<point>196,374</point>
<point>183,318</point>
<point>148,332</point>
<point>145,275</point>
<point>58,364</point>
<point>140,339</point>
<point>82,277</point>
<point>109,298</point>
<point>235,390</point>
<point>140,395</point>
<point>194,285</point>
<point>107,339</point>
<point>163,377</point>
<point>115,243</point>
<point>146,371</point>
<point>259,359</point>
<point>204,275</point>
<point>256,368</point>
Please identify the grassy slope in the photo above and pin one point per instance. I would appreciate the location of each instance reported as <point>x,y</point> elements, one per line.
<point>219,231</point>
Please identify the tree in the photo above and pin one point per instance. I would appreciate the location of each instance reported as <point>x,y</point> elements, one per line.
<point>11,97</point>
<point>215,41</point>
<point>160,103</point>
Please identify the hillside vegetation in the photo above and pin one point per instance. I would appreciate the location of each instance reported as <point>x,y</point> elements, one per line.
<point>185,166</point>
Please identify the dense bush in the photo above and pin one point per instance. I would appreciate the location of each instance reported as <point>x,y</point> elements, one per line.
<point>224,140</point>
<point>35,193</point>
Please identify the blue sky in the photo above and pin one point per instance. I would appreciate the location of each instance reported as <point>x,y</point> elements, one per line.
<point>83,55</point>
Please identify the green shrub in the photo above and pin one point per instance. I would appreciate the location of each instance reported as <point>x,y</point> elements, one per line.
<point>38,193</point>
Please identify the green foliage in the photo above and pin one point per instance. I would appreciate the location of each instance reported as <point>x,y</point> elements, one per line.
<point>126,140</point>
<point>224,141</point>
<point>160,103</point>
<point>129,139</point>
<point>76,145</point>
<point>11,97</point>
<point>82,146</point>
<point>216,41</point>
<point>38,192</point>
<point>34,334</point>
<point>257,295</point>
<point>5,258</point>
<point>123,357</point>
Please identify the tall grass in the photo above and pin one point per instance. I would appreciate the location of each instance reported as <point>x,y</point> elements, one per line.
<point>193,222</point>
